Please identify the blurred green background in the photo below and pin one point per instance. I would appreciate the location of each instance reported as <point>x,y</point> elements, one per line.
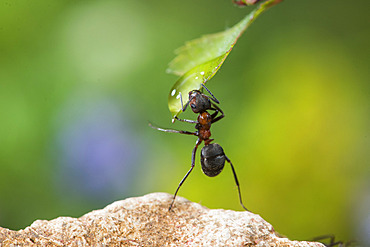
<point>79,81</point>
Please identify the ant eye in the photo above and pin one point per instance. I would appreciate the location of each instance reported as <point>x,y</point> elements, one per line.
<point>193,106</point>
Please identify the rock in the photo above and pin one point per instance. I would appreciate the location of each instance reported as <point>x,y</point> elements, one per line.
<point>146,221</point>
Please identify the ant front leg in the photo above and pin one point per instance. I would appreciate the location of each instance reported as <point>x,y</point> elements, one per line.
<point>183,108</point>
<point>174,131</point>
<point>236,182</point>
<point>186,120</point>
<point>217,110</point>
<point>187,174</point>
<point>212,96</point>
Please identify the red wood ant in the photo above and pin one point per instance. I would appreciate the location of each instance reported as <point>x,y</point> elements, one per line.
<point>333,242</point>
<point>212,155</point>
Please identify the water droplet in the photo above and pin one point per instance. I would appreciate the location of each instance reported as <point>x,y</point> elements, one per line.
<point>173,92</point>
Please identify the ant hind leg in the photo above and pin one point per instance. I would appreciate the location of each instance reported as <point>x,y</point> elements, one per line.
<point>236,182</point>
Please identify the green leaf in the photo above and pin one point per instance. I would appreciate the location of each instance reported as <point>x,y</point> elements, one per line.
<point>192,80</point>
<point>199,60</point>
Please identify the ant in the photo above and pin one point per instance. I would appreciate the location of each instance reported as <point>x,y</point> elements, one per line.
<point>333,242</point>
<point>212,155</point>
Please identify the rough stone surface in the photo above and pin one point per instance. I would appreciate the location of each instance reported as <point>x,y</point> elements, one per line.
<point>145,221</point>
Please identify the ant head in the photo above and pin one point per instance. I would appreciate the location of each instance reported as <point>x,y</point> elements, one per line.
<point>198,101</point>
<point>212,159</point>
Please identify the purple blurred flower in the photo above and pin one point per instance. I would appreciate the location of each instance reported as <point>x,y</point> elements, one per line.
<point>97,150</point>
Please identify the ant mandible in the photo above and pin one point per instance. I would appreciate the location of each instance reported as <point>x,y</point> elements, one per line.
<point>212,155</point>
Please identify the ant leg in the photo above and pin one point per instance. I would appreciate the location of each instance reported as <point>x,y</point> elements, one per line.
<point>187,174</point>
<point>183,109</point>
<point>332,241</point>
<point>182,106</point>
<point>186,120</point>
<point>212,96</point>
<point>236,182</point>
<point>330,237</point>
<point>174,131</point>
<point>218,109</point>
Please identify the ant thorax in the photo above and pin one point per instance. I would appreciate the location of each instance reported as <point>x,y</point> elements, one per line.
<point>204,125</point>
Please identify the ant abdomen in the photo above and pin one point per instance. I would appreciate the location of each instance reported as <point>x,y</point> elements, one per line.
<point>212,159</point>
